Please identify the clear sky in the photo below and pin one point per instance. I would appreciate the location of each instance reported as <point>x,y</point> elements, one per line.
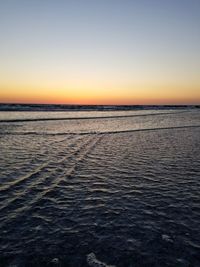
<point>100,51</point>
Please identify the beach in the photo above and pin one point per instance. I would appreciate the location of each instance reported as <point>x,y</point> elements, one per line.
<point>123,185</point>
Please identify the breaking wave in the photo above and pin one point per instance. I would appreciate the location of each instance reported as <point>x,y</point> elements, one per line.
<point>87,118</point>
<point>99,132</point>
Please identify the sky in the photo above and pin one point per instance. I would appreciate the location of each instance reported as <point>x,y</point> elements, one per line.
<point>100,51</point>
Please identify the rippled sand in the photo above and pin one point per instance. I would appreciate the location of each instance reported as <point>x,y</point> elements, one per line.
<point>126,189</point>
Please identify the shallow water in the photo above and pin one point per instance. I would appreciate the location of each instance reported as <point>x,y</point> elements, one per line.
<point>125,188</point>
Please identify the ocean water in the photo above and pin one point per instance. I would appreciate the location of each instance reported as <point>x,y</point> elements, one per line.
<point>124,185</point>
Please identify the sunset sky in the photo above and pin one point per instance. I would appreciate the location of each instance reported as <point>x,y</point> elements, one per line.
<point>100,51</point>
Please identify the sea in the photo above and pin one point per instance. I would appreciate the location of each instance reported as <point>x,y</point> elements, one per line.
<point>99,186</point>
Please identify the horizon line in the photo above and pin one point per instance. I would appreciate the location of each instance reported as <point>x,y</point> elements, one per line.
<point>78,104</point>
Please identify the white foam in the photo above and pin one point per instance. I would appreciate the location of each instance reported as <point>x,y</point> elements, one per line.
<point>166,238</point>
<point>94,262</point>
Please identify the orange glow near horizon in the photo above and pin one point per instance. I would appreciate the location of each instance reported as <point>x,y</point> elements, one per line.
<point>135,95</point>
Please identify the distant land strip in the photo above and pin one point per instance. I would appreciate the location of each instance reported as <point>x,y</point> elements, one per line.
<point>65,107</point>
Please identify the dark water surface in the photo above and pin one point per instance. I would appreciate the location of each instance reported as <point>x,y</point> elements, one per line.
<point>126,188</point>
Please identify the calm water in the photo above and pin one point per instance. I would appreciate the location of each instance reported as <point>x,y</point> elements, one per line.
<point>124,185</point>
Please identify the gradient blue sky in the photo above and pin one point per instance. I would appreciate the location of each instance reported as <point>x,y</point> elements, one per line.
<point>100,51</point>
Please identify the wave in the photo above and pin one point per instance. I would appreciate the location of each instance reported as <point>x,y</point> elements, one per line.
<point>99,133</point>
<point>88,118</point>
